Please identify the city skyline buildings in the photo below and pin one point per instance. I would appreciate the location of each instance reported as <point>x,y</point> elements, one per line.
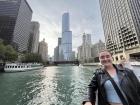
<point>79,20</point>
<point>126,26</point>
<point>63,51</point>
<point>84,18</point>
<point>15,23</point>
<point>88,52</point>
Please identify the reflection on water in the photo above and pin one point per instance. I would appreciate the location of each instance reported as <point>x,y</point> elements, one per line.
<point>50,86</point>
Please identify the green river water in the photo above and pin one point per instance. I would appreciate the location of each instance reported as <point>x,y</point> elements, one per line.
<point>57,85</point>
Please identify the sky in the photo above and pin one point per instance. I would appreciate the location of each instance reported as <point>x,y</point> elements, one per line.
<point>85,17</point>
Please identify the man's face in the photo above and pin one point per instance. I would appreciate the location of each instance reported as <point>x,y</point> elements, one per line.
<point>105,58</point>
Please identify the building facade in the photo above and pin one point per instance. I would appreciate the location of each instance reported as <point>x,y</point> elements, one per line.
<point>79,54</point>
<point>15,18</point>
<point>121,23</point>
<point>58,51</point>
<point>73,56</point>
<point>96,49</point>
<point>43,50</point>
<point>34,37</point>
<point>84,51</point>
<point>56,54</point>
<point>66,38</point>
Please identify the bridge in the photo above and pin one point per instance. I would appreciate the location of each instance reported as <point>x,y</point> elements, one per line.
<point>76,62</point>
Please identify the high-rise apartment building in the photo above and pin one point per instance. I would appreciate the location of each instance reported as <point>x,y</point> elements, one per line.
<point>121,23</point>
<point>15,18</point>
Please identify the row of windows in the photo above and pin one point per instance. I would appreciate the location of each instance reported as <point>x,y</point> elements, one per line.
<point>121,48</point>
<point>17,66</point>
<point>111,24</point>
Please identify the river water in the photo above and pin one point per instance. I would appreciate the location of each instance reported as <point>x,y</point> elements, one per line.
<point>58,85</point>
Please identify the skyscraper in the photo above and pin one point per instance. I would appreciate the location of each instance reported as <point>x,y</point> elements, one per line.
<point>15,18</point>
<point>84,51</point>
<point>86,47</point>
<point>34,37</point>
<point>43,50</point>
<point>121,23</point>
<point>56,54</point>
<point>87,39</point>
<point>96,49</point>
<point>57,51</point>
<point>65,22</point>
<point>60,50</point>
<point>66,38</point>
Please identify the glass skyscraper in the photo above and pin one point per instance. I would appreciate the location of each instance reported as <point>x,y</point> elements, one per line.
<point>66,38</point>
<point>15,19</point>
<point>121,23</point>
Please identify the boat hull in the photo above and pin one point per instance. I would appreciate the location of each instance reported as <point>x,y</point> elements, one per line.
<point>22,70</point>
<point>18,68</point>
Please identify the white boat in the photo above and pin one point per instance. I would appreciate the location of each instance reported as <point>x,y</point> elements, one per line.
<point>135,63</point>
<point>21,67</point>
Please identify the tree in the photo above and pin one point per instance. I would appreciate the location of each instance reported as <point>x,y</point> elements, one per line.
<point>10,53</point>
<point>2,51</point>
<point>31,57</point>
<point>7,52</point>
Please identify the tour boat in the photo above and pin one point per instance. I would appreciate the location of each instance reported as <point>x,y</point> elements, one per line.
<point>135,63</point>
<point>21,67</point>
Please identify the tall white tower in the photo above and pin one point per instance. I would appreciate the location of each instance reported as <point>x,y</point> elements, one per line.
<point>66,38</point>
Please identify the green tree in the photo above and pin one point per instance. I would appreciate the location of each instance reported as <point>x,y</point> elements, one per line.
<point>10,53</point>
<point>31,57</point>
<point>2,51</point>
<point>7,52</point>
